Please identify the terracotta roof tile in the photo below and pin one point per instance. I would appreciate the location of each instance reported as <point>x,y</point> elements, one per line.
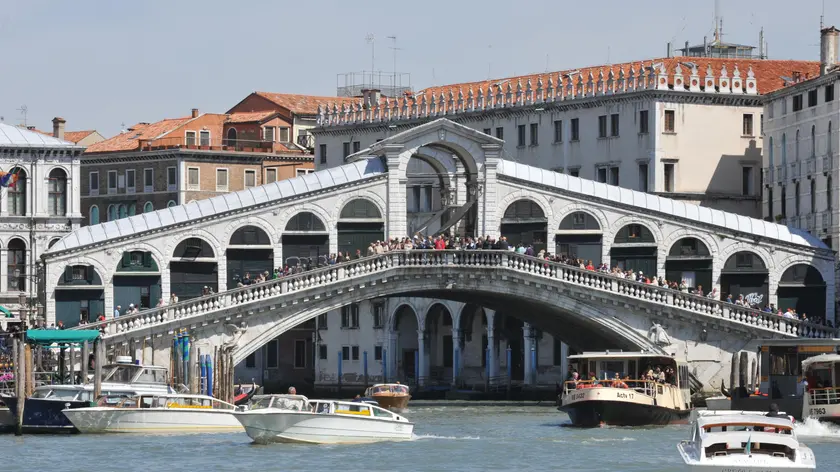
<point>304,104</point>
<point>129,140</point>
<point>250,117</point>
<point>768,73</point>
<point>76,136</point>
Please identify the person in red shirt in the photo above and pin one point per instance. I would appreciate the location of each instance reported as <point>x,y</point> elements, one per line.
<point>440,244</point>
<point>589,266</point>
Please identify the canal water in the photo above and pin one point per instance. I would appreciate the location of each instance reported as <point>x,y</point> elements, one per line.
<point>448,438</point>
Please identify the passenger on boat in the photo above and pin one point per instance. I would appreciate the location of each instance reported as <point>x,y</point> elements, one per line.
<point>575,380</point>
<point>292,391</point>
<point>617,382</point>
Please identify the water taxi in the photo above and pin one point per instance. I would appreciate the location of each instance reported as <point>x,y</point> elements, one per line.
<point>627,389</point>
<point>296,419</point>
<point>393,396</point>
<point>744,441</point>
<point>821,401</point>
<point>42,411</point>
<point>156,413</point>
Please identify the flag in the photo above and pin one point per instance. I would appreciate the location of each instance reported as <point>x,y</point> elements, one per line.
<point>748,448</point>
<point>8,179</point>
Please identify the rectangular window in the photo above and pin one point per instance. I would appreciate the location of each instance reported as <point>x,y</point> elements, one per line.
<point>613,175</point>
<point>797,102</point>
<point>204,138</point>
<point>575,129</point>
<point>602,126</point>
<point>350,316</point>
<point>148,180</point>
<point>268,134</point>
<point>221,180</point>
<point>270,175</point>
<point>643,121</point>
<point>193,182</point>
<point>346,149</point>
<point>250,178</point>
<point>130,180</point>
<point>784,106</point>
<point>354,353</point>
<point>357,146</point>
<point>171,179</point>
<point>747,128</point>
<point>322,321</point>
<point>829,93</point>
<point>558,131</point>
<point>322,352</point>
<point>812,98</point>
<point>535,131</point>
<point>283,135</point>
<point>614,124</point>
<point>251,360</point>
<point>345,353</point>
<point>746,181</point>
<point>520,136</point>
<point>112,181</point>
<point>487,131</point>
<point>575,172</point>
<point>670,121</point>
<point>322,151</point>
<point>500,132</point>
<point>643,177</point>
<point>378,315</point>
<point>377,353</point>
<point>300,172</point>
<point>669,177</point>
<point>300,353</point>
<point>190,139</point>
<point>602,175</point>
<point>272,357</point>
<point>93,184</point>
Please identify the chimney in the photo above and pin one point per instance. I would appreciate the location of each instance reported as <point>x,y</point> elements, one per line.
<point>668,52</point>
<point>371,96</point>
<point>761,43</point>
<point>58,127</point>
<point>829,46</point>
<point>195,112</point>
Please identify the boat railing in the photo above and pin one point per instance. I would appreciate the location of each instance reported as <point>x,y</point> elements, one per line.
<point>645,387</point>
<point>824,396</point>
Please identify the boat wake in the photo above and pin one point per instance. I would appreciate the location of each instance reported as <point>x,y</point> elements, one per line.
<point>812,428</point>
<point>417,437</point>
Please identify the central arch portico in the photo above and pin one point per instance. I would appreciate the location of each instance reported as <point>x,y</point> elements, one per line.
<point>346,207</point>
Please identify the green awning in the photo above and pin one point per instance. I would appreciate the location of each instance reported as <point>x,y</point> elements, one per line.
<point>61,336</point>
<point>6,312</point>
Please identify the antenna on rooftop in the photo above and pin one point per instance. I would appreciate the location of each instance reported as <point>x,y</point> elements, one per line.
<point>371,39</point>
<point>718,22</point>
<point>23,110</point>
<point>395,49</point>
<point>490,61</point>
<point>546,62</point>
<point>822,16</point>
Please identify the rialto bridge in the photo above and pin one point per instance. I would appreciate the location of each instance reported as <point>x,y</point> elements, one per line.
<point>213,243</point>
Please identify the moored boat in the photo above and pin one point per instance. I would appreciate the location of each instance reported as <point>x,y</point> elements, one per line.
<point>744,441</point>
<point>296,419</point>
<point>156,413</point>
<point>393,396</point>
<point>627,389</point>
<point>821,400</point>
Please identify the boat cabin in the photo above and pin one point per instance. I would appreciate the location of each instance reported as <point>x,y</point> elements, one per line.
<point>299,403</point>
<point>822,374</point>
<point>126,372</point>
<point>718,436</point>
<point>387,389</point>
<point>619,368</point>
<point>77,393</point>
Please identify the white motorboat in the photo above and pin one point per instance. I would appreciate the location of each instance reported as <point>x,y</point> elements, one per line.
<point>164,413</point>
<point>822,398</point>
<point>719,402</point>
<point>296,419</point>
<point>744,441</point>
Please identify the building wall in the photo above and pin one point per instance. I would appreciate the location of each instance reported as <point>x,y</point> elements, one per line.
<point>92,138</point>
<point>280,372</point>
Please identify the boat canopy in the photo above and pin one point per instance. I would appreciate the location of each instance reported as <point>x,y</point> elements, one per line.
<point>45,337</point>
<point>820,359</point>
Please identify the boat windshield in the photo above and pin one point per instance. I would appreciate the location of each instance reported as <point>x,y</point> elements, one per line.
<point>767,428</point>
<point>293,404</point>
<point>61,394</point>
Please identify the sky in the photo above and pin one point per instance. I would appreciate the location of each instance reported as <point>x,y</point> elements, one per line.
<point>104,63</point>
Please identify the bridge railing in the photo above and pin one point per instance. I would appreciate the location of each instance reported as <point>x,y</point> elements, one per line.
<point>471,258</point>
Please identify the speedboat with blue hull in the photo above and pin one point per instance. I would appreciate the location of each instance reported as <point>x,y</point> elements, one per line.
<point>626,389</point>
<point>42,412</point>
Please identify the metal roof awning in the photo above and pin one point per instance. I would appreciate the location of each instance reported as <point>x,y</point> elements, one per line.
<point>46,337</point>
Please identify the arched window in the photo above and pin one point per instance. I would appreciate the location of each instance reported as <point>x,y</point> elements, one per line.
<point>132,210</point>
<point>524,210</point>
<point>17,193</point>
<point>770,153</point>
<point>784,149</point>
<point>123,211</point>
<point>360,208</point>
<point>148,207</point>
<point>796,149</point>
<point>305,221</point>
<point>231,137</point>
<point>813,141</point>
<point>57,193</point>
<point>112,212</point>
<point>171,203</point>
<point>579,220</point>
<point>828,201</point>
<point>55,240</point>
<point>813,196</point>
<point>17,265</point>
<point>250,236</point>
<point>94,215</point>
<point>193,247</point>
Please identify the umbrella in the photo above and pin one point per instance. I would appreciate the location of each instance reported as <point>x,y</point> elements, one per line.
<point>6,312</point>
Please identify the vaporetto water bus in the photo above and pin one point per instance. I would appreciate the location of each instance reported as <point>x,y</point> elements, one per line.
<point>627,389</point>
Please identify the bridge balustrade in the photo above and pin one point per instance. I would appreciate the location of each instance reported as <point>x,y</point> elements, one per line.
<point>601,281</point>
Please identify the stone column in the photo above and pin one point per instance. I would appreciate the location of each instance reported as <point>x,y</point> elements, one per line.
<point>396,223</point>
<point>488,221</point>
<point>456,355</point>
<point>493,358</point>
<point>421,354</point>
<point>528,344</point>
<point>4,264</point>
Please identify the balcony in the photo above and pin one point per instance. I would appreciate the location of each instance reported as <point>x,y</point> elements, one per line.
<point>215,144</point>
<point>810,222</point>
<point>781,173</point>
<point>794,170</point>
<point>827,162</point>
<point>811,166</point>
<point>827,219</point>
<point>769,173</point>
<point>306,140</point>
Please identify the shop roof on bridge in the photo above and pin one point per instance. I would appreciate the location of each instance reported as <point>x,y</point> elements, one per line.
<point>15,136</point>
<point>652,203</point>
<point>220,204</point>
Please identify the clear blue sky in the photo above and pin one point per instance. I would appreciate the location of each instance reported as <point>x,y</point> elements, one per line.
<point>100,63</point>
